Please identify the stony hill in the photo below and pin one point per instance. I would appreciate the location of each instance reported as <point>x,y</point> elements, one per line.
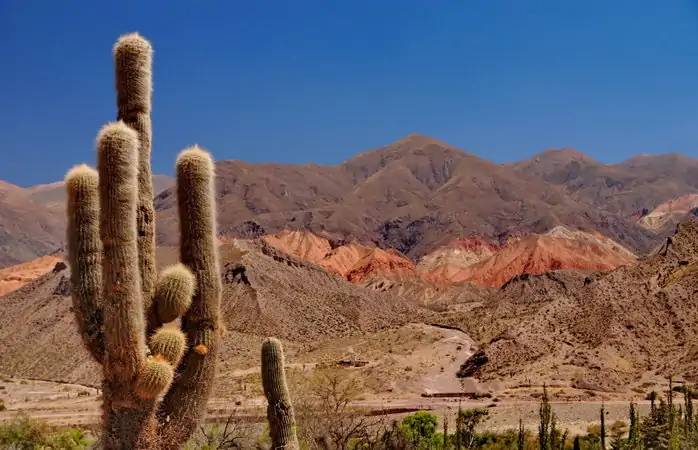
<point>414,195</point>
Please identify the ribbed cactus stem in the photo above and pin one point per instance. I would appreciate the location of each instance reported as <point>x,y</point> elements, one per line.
<point>124,326</point>
<point>186,401</point>
<point>85,255</point>
<point>282,425</point>
<point>133,60</point>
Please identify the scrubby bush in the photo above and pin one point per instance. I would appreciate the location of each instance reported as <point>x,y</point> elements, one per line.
<point>24,433</point>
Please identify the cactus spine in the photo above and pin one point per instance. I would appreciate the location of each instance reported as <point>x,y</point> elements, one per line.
<point>120,305</point>
<point>282,425</point>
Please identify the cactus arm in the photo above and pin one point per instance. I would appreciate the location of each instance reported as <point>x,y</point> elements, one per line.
<point>85,256</point>
<point>128,418</point>
<point>282,425</point>
<point>133,58</point>
<point>185,402</point>
<point>123,307</point>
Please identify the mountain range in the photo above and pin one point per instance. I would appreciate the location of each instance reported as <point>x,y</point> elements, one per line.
<point>558,267</point>
<point>414,196</point>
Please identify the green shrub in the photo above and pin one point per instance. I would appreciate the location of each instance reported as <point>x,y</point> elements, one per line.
<point>24,433</point>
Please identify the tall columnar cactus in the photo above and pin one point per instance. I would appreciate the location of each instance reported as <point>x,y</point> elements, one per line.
<point>282,424</point>
<point>156,377</point>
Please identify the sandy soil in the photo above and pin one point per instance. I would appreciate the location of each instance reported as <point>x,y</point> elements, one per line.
<point>66,404</point>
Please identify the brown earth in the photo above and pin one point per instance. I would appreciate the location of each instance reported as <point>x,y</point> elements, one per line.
<point>414,196</point>
<point>598,331</point>
<point>664,218</point>
<point>266,292</point>
<point>594,330</point>
<point>64,404</point>
<point>27,228</point>
<point>583,334</point>
<point>14,277</point>
<point>640,183</point>
<point>537,254</point>
<point>32,220</point>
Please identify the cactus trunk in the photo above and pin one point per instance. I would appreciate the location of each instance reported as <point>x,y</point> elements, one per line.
<point>185,402</point>
<point>282,425</point>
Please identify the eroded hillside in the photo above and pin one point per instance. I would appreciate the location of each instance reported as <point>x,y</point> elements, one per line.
<point>599,331</point>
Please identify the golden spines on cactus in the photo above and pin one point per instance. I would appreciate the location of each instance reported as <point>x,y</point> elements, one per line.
<point>196,203</point>
<point>169,342</point>
<point>195,193</point>
<point>133,59</point>
<point>155,377</point>
<point>111,250</point>
<point>173,292</point>
<point>282,425</point>
<point>85,257</point>
<point>117,150</point>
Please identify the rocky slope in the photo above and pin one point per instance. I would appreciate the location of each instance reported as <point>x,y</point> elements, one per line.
<point>590,330</point>
<point>462,260</point>
<point>354,262</point>
<point>266,292</point>
<point>599,331</point>
<point>414,196</point>
<point>455,255</point>
<point>273,293</point>
<point>14,277</point>
<point>27,228</point>
<point>534,255</point>
<point>32,220</point>
<point>561,248</point>
<point>663,218</point>
<point>641,182</point>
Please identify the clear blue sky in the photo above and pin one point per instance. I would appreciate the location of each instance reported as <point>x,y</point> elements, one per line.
<point>320,80</point>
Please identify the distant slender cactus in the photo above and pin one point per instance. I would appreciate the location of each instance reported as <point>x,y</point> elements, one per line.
<point>282,425</point>
<point>120,305</point>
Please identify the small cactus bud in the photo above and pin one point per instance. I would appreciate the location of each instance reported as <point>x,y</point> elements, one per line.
<point>174,291</point>
<point>170,343</point>
<point>155,377</point>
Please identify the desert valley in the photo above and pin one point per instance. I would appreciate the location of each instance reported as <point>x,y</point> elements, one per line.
<point>405,294</point>
<point>427,273</point>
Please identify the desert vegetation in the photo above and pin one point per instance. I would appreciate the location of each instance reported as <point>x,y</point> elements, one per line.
<point>326,421</point>
<point>120,305</point>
